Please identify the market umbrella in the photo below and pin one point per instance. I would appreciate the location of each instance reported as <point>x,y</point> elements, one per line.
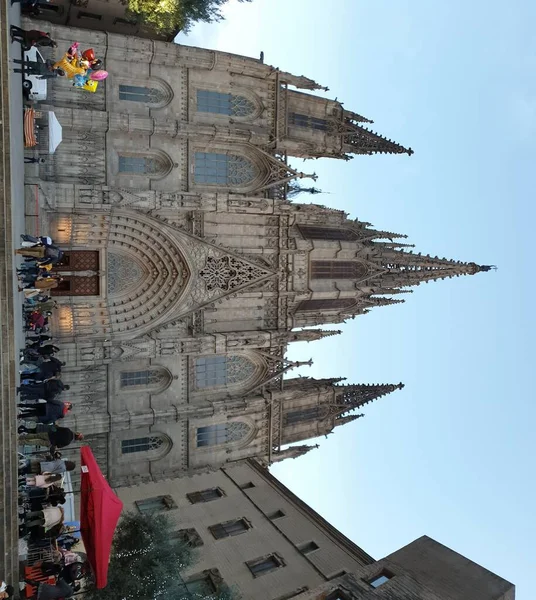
<point>55,132</point>
<point>100,510</point>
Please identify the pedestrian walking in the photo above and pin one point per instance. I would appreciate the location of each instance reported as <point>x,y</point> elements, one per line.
<point>46,467</point>
<point>34,159</point>
<point>47,390</point>
<point>49,435</point>
<point>44,70</point>
<point>45,412</point>
<point>32,37</point>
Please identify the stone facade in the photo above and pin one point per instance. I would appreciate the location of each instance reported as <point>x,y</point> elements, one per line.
<point>250,531</point>
<point>188,269</point>
<point>98,15</point>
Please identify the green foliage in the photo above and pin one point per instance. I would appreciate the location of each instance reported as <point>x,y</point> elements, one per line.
<point>146,563</point>
<point>171,16</point>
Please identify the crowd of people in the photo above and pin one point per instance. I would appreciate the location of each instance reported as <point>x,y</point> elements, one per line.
<point>42,405</point>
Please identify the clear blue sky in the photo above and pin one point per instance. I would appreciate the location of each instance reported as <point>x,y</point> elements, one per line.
<point>452,455</point>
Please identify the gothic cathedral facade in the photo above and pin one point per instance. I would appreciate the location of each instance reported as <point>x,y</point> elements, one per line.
<point>187,268</point>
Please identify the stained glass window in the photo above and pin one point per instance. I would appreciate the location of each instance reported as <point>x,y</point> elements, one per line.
<point>224,104</point>
<point>337,269</point>
<point>314,232</point>
<point>135,93</point>
<point>212,371</point>
<point>304,414</point>
<point>326,304</point>
<point>139,165</point>
<point>212,435</point>
<point>223,169</point>
<point>299,120</point>
<point>143,444</point>
<point>146,377</point>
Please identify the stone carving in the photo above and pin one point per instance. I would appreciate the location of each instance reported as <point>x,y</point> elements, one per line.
<point>227,273</point>
<point>122,273</point>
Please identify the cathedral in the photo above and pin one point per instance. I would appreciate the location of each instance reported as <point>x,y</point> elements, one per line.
<point>188,270</point>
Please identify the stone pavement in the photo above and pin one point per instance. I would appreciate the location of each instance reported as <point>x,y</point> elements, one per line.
<point>11,334</point>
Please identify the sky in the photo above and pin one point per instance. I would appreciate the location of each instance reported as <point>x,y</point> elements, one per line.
<point>452,455</point>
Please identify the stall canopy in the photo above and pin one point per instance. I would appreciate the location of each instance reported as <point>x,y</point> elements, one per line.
<point>55,132</point>
<point>100,510</point>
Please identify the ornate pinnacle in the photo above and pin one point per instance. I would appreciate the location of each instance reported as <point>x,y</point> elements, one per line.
<point>355,396</point>
<point>342,420</point>
<point>292,452</point>
<point>311,335</point>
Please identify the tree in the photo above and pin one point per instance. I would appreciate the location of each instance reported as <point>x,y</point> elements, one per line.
<point>146,563</point>
<point>172,16</point>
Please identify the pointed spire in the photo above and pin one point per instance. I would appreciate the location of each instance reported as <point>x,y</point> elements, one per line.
<point>348,419</point>
<point>361,140</point>
<point>311,335</point>
<point>406,268</point>
<point>292,452</point>
<point>357,118</point>
<point>383,301</point>
<point>350,397</point>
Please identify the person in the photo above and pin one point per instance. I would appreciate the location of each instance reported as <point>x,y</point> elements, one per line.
<point>43,481</point>
<point>45,412</point>
<point>44,70</point>
<point>44,283</point>
<point>43,254</point>
<point>43,240</point>
<point>48,517</point>
<point>32,37</point>
<point>50,368</point>
<point>34,160</point>
<point>49,467</point>
<point>49,435</point>
<point>6,591</point>
<point>48,349</point>
<point>46,305</point>
<point>47,390</point>
<point>39,338</point>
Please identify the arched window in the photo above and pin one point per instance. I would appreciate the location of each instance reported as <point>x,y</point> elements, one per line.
<point>314,232</point>
<point>302,415</point>
<point>214,371</point>
<point>223,169</point>
<point>306,121</point>
<point>326,304</point>
<point>136,93</point>
<point>153,163</point>
<point>337,269</point>
<point>143,444</point>
<point>224,104</point>
<point>155,379</point>
<point>223,433</point>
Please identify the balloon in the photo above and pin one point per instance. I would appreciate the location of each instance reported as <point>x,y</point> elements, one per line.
<point>88,55</point>
<point>98,75</point>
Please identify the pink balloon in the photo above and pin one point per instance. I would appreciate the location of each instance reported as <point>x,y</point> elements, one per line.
<point>98,75</point>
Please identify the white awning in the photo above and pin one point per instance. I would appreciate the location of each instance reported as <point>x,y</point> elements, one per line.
<point>55,132</point>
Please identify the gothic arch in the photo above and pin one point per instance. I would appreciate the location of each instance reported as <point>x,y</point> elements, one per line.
<point>151,446</point>
<point>247,95</point>
<point>153,380</point>
<point>134,245</point>
<point>154,92</point>
<point>233,433</point>
<point>153,163</point>
<point>161,270</point>
<point>264,169</point>
<point>233,373</point>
